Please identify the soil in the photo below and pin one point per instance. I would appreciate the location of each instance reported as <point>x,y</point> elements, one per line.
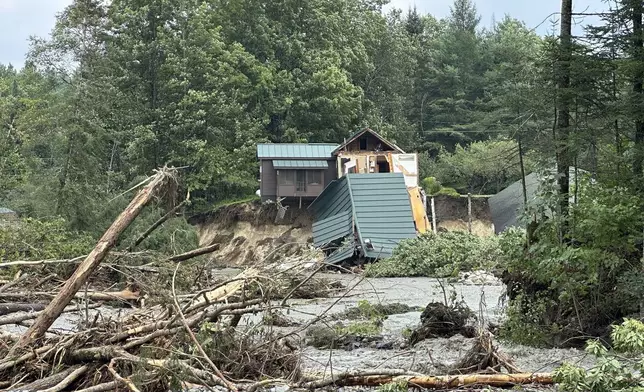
<point>451,215</point>
<point>248,234</point>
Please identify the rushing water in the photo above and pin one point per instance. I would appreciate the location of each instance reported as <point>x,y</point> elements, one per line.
<point>430,356</point>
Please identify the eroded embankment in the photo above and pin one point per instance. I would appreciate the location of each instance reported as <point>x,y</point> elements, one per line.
<point>249,233</point>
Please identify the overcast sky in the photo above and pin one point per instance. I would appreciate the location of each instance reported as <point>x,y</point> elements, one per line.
<point>533,13</point>
<point>20,19</point>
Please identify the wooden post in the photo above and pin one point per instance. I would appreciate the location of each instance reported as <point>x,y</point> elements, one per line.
<point>469,213</point>
<point>87,266</point>
<point>434,216</point>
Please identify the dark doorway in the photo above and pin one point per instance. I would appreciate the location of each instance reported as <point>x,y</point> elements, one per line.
<point>363,143</point>
<point>383,167</point>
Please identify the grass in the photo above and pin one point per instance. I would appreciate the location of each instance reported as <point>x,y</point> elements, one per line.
<point>239,200</point>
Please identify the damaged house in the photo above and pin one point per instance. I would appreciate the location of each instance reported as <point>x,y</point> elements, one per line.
<point>365,199</point>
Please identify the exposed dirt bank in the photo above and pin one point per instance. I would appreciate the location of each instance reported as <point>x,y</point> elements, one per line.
<point>249,232</point>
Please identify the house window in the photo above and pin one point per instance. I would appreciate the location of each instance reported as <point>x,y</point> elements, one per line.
<point>363,143</point>
<point>314,177</point>
<point>286,177</point>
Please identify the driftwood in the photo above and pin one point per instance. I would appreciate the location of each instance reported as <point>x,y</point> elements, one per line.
<point>435,382</point>
<point>19,317</point>
<point>123,295</point>
<point>56,382</point>
<point>19,307</point>
<point>194,253</point>
<point>193,337</point>
<point>85,269</point>
<point>484,357</point>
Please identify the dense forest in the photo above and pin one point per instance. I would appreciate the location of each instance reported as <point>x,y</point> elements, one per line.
<point>121,89</point>
<point>126,86</point>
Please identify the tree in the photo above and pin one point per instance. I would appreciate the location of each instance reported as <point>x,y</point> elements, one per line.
<point>564,159</point>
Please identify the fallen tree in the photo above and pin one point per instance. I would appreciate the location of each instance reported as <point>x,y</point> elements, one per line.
<point>192,337</point>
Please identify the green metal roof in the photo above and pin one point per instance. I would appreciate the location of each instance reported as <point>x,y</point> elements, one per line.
<point>380,207</point>
<point>333,228</point>
<point>295,150</point>
<point>300,164</point>
<point>382,211</point>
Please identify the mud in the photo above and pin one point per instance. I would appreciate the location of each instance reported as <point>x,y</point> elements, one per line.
<point>430,356</point>
<point>248,233</point>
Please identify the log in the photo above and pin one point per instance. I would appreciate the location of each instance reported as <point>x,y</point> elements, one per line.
<point>48,382</point>
<point>123,295</point>
<point>156,224</point>
<point>18,318</point>
<point>92,261</point>
<point>19,307</point>
<point>437,382</point>
<point>13,283</point>
<point>195,252</point>
<point>107,386</point>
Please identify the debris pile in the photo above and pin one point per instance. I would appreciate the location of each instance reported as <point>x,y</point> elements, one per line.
<point>440,320</point>
<point>178,340</point>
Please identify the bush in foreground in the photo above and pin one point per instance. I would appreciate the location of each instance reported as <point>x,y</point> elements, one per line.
<point>618,370</point>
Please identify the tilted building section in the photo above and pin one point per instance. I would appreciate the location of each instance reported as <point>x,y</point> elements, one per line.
<point>363,216</point>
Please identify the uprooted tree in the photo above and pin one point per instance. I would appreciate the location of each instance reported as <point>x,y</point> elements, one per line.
<point>194,338</point>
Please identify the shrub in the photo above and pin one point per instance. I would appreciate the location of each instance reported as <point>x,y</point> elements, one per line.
<point>622,370</point>
<point>438,255</point>
<point>587,280</point>
<point>431,185</point>
<point>449,192</point>
<point>32,239</point>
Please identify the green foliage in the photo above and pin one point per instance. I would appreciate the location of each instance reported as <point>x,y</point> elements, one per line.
<point>431,185</point>
<point>438,255</point>
<point>484,167</point>
<point>360,328</point>
<point>596,270</point>
<point>620,370</point>
<point>31,239</point>
<point>174,236</point>
<point>397,386</point>
<point>447,191</point>
<point>375,312</point>
<point>526,321</point>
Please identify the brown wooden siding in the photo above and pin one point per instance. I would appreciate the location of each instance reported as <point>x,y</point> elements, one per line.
<point>268,185</point>
<point>270,189</point>
<point>331,173</point>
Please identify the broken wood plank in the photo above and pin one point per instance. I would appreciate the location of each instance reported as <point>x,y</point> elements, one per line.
<point>436,382</point>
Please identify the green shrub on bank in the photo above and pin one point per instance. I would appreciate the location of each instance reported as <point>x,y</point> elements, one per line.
<point>438,255</point>
<point>564,288</point>
<point>32,239</point>
<point>621,370</point>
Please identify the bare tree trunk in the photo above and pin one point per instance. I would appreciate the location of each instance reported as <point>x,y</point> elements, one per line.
<point>564,160</point>
<point>85,268</point>
<point>638,55</point>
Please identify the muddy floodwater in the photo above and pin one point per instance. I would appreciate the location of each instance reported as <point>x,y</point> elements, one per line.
<point>430,356</point>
